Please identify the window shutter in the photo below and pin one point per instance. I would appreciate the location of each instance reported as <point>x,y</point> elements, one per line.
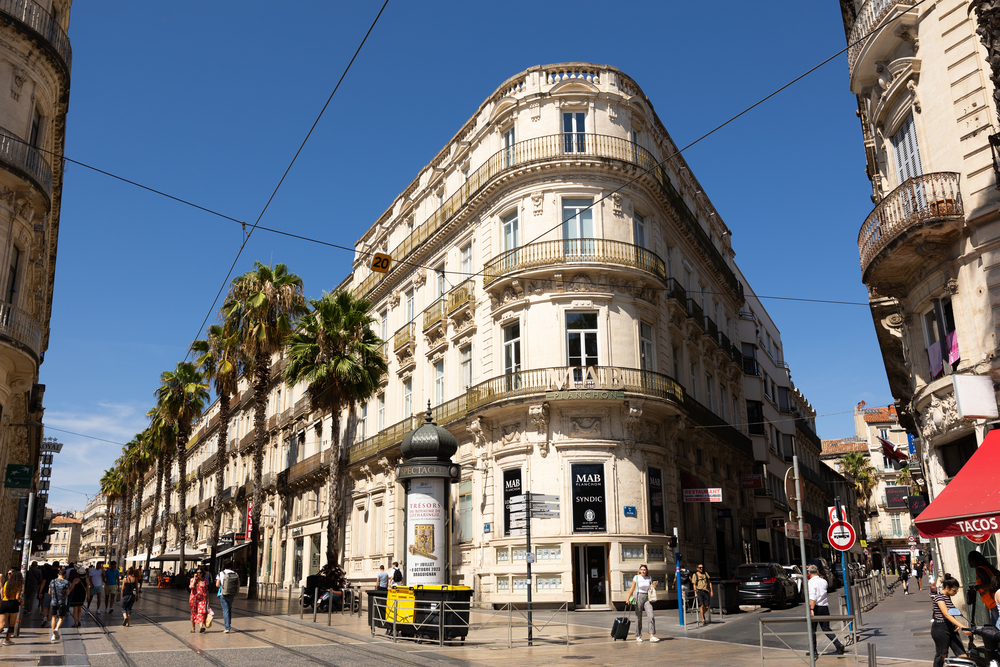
<point>906,151</point>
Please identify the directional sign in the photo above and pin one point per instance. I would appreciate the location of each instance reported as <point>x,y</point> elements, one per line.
<point>519,532</point>
<point>519,499</point>
<point>841,536</point>
<point>518,515</point>
<point>545,515</point>
<point>544,498</point>
<point>544,506</point>
<point>518,523</point>
<point>518,507</point>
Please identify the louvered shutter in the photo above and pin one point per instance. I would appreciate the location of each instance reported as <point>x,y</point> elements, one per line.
<point>906,151</point>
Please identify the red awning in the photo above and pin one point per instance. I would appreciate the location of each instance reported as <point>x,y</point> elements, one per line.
<point>890,450</point>
<point>970,504</point>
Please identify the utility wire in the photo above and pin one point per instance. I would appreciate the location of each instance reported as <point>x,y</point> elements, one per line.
<point>82,435</point>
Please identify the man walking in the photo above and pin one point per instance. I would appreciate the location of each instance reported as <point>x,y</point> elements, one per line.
<point>703,589</point>
<point>383,579</point>
<point>32,581</point>
<point>819,605</point>
<point>395,575</point>
<point>96,575</point>
<point>229,583</point>
<point>111,585</point>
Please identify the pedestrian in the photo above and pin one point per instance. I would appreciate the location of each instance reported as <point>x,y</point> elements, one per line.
<point>918,574</point>
<point>229,587</point>
<point>984,576</point>
<point>819,605</point>
<point>32,582</point>
<point>944,626</point>
<point>904,576</point>
<point>111,585</point>
<point>703,589</point>
<point>638,595</point>
<point>58,594</point>
<point>96,577</point>
<point>198,600</point>
<point>129,587</point>
<point>383,579</point>
<point>395,575</point>
<point>10,602</point>
<point>44,599</point>
<point>77,596</point>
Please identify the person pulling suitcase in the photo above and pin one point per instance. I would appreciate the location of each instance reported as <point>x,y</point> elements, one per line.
<point>644,590</point>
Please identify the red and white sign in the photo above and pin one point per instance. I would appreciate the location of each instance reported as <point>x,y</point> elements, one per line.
<point>792,529</point>
<point>831,511</point>
<point>249,519</point>
<point>752,481</point>
<point>911,540</point>
<point>841,536</point>
<point>777,522</point>
<point>703,495</point>
<point>979,538</point>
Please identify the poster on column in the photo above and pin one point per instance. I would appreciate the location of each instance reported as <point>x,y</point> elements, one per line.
<point>511,488</point>
<point>655,482</point>
<point>589,515</point>
<point>426,540</point>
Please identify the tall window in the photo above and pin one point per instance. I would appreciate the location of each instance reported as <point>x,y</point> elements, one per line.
<point>647,360</point>
<point>906,152</point>
<point>407,397</point>
<point>35,135</point>
<point>439,383</point>
<point>467,259</point>
<point>465,511</point>
<point>410,306</point>
<point>512,348</point>
<point>710,392</point>
<point>508,146</point>
<point>440,284</point>
<point>377,531</point>
<point>736,411</point>
<point>722,402</point>
<point>574,132</point>
<point>363,422</point>
<point>639,230</point>
<point>510,231</point>
<point>694,381</point>
<point>581,344</point>
<point>943,354</point>
<point>383,333</point>
<point>897,525</point>
<point>381,411</point>
<point>466,360</point>
<point>578,226</point>
<point>15,260</point>
<point>677,361</point>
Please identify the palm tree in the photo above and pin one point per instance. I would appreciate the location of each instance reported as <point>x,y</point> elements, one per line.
<point>144,461</point>
<point>161,448</point>
<point>111,489</point>
<point>219,362</point>
<point>180,399</point>
<point>261,308</point>
<point>859,466</point>
<point>336,352</point>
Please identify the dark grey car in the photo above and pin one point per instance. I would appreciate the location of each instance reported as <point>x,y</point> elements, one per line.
<point>765,584</point>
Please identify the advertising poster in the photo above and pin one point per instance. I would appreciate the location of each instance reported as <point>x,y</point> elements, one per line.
<point>511,488</point>
<point>589,514</point>
<point>897,497</point>
<point>426,539</point>
<point>654,480</point>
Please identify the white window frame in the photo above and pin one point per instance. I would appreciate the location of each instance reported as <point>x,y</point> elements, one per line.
<point>647,347</point>
<point>439,382</point>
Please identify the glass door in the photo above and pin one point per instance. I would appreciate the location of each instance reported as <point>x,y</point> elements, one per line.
<point>578,228</point>
<point>590,576</point>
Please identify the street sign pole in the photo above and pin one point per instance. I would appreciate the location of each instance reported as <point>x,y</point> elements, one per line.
<point>843,556</point>
<point>527,558</point>
<point>677,566</point>
<point>29,523</point>
<point>802,555</point>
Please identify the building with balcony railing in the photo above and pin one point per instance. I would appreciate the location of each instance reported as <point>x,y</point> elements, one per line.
<point>926,95</point>
<point>37,58</point>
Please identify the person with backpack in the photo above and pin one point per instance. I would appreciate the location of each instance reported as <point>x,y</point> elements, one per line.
<point>229,587</point>
<point>396,576</point>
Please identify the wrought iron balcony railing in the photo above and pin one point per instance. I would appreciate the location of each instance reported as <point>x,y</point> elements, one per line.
<point>574,251</point>
<point>34,17</point>
<point>25,161</point>
<point>918,199</point>
<point>20,327</point>
<point>434,313</point>
<point>461,295</point>
<point>871,15</point>
<point>405,335</point>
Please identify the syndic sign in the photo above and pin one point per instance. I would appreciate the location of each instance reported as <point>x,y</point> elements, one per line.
<point>589,514</point>
<point>654,480</point>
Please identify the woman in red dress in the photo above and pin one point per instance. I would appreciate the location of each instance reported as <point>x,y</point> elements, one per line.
<point>198,600</point>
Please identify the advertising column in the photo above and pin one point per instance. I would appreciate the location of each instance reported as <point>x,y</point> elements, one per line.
<point>426,539</point>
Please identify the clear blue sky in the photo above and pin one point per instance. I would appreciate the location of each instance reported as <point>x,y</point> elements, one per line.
<point>209,101</point>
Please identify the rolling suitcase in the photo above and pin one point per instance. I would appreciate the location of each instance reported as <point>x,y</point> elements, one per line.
<point>621,626</point>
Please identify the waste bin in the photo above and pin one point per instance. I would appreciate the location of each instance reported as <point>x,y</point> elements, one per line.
<point>376,607</point>
<point>726,593</point>
<point>416,611</point>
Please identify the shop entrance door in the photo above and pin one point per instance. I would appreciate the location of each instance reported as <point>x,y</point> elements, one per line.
<point>590,576</point>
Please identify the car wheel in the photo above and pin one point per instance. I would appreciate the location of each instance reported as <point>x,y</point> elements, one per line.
<point>782,601</point>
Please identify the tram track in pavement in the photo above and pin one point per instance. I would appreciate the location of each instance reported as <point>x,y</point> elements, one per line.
<point>119,649</point>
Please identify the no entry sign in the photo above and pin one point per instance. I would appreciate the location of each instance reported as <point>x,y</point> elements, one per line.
<point>841,536</point>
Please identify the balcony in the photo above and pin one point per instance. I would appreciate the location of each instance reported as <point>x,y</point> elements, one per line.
<point>38,23</point>
<point>591,148</point>
<point>461,296</point>
<point>246,441</point>
<point>599,252</point>
<point>695,312</point>
<point>404,337</point>
<point>925,208</point>
<point>301,407</point>
<point>307,471</point>
<point>434,314</point>
<point>676,291</point>
<point>20,328</point>
<point>873,13</point>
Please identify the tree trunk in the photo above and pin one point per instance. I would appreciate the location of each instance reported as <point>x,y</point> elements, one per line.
<point>260,386</point>
<point>182,516</point>
<point>168,491</point>
<point>123,522</point>
<point>138,512</point>
<point>333,493</point>
<point>109,528</point>
<point>220,476</point>
<point>156,509</point>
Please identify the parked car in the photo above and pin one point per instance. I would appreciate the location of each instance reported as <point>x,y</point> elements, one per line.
<point>825,571</point>
<point>838,573</point>
<point>765,584</point>
<point>858,570</point>
<point>795,572</point>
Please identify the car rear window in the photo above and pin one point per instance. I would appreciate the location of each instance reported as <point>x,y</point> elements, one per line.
<point>749,571</point>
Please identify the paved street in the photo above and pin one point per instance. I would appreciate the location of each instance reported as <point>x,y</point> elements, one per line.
<point>268,636</point>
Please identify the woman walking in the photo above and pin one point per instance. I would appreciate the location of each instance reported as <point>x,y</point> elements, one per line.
<point>641,585</point>
<point>904,576</point>
<point>945,627</point>
<point>198,600</point>
<point>77,596</point>
<point>13,586</point>
<point>128,597</point>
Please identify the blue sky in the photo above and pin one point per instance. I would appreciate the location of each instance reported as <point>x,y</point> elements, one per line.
<point>209,101</point>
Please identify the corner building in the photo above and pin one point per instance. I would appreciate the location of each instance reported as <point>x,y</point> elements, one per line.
<point>572,322</point>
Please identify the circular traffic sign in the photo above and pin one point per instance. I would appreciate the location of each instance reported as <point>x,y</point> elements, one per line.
<point>911,540</point>
<point>979,538</point>
<point>841,536</point>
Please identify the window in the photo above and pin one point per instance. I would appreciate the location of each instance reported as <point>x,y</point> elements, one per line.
<point>381,411</point>
<point>510,231</point>
<point>465,174</point>
<point>508,146</point>
<point>439,383</point>
<point>677,361</point>
<point>887,464</point>
<point>574,132</point>
<point>503,555</point>
<point>639,230</point>
<point>363,422</point>
<point>408,398</point>
<point>15,260</point>
<point>581,343</point>
<point>755,417</point>
<point>906,152</point>
<point>467,259</point>
<point>647,360</point>
<point>465,511</point>
<point>512,348</point>
<point>767,387</point>
<point>897,525</point>
<point>36,129</point>
<point>360,519</point>
<point>466,360</point>
<point>693,389</point>
<point>722,403</point>
<point>578,227</point>
<point>410,312</point>
<point>939,326</point>
<point>783,403</point>
<point>710,392</point>
<point>377,533</point>
<point>750,359</point>
<point>440,284</point>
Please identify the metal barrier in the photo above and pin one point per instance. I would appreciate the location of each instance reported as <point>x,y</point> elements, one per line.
<point>847,633</point>
<point>447,622</point>
<point>267,592</point>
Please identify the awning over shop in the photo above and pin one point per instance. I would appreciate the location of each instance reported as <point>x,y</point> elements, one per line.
<point>231,550</point>
<point>176,555</point>
<point>970,504</point>
<point>890,450</point>
<point>138,558</point>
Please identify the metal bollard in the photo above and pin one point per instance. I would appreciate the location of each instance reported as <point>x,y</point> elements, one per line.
<point>302,607</point>
<point>872,661</point>
<point>329,613</point>
<point>441,608</point>
<point>316,603</point>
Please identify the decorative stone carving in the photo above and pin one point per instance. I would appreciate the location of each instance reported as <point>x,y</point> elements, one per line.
<point>906,34</point>
<point>394,298</point>
<point>612,112</point>
<point>17,81</point>
<point>539,415</point>
<point>911,86</point>
<point>26,211</point>
<point>616,201</point>
<point>419,278</point>
<point>511,433</point>
<point>988,29</point>
<point>952,285</point>
<point>537,202</point>
<point>894,325</point>
<point>631,415</point>
<point>475,427</point>
<point>585,426</point>
<point>535,111</point>
<point>650,431</point>
<point>940,417</point>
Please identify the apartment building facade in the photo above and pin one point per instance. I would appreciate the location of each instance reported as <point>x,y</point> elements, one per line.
<point>65,540</point>
<point>94,527</point>
<point>929,248</point>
